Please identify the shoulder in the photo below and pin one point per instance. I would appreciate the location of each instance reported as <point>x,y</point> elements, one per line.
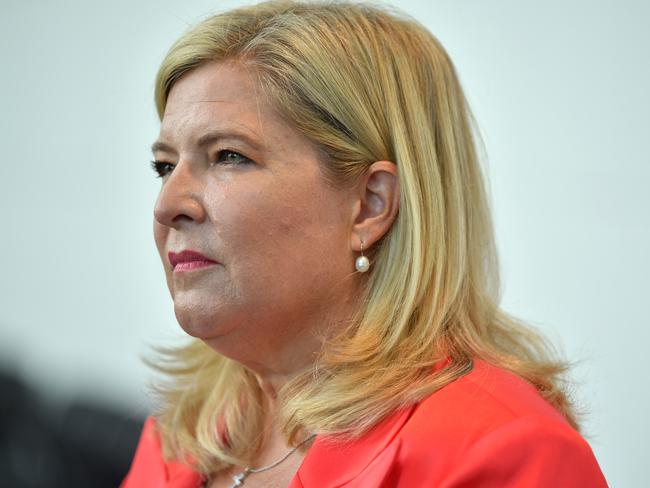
<point>489,428</point>
<point>149,467</point>
<point>492,428</point>
<point>476,404</point>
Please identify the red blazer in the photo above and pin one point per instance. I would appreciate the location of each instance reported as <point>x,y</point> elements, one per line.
<point>488,429</point>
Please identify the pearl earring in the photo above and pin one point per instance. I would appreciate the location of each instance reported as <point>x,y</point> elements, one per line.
<point>362,264</point>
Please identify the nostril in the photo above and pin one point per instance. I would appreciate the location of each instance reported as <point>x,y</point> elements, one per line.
<point>181,217</point>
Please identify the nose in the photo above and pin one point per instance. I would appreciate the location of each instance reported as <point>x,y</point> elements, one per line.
<point>179,200</point>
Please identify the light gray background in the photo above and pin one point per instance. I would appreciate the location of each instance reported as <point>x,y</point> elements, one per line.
<point>560,91</point>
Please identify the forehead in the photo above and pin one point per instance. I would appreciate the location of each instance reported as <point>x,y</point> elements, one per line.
<point>223,95</point>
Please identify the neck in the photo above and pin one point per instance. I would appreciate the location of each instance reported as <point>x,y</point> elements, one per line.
<point>274,435</point>
<point>275,444</point>
<point>270,386</point>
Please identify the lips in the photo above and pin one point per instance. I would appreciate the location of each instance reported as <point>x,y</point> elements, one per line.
<point>188,260</point>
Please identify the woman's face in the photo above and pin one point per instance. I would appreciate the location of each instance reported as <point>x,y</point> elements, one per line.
<point>245,190</point>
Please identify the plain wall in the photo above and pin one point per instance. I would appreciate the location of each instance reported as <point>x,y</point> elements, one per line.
<point>560,92</point>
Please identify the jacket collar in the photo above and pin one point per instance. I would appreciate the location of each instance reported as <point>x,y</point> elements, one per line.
<point>336,463</point>
<point>332,462</point>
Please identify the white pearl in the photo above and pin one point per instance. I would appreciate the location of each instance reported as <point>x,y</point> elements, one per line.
<point>362,264</point>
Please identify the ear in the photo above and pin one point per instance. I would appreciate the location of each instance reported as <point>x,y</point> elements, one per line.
<point>377,204</point>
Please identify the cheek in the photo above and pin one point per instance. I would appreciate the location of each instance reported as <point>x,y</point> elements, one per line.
<point>289,239</point>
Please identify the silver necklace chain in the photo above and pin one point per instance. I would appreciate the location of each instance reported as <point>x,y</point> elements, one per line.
<point>238,479</point>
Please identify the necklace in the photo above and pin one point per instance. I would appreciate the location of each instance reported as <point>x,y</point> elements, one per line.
<point>238,479</point>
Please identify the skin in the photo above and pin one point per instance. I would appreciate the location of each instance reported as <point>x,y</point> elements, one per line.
<point>255,201</point>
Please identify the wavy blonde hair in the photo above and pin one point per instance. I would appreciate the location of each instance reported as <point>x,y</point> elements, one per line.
<point>364,84</point>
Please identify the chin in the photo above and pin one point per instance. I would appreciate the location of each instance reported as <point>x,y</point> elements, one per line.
<point>197,325</point>
<point>208,324</point>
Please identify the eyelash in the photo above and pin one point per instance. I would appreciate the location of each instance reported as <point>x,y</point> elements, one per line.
<point>161,168</point>
<point>164,168</point>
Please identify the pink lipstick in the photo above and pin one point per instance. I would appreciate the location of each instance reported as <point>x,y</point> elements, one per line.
<point>188,260</point>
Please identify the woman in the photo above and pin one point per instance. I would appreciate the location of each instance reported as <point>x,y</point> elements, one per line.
<point>326,238</point>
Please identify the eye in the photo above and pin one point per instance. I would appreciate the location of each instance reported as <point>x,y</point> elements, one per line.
<point>162,168</point>
<point>227,156</point>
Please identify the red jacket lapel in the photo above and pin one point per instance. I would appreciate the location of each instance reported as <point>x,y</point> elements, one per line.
<point>333,463</point>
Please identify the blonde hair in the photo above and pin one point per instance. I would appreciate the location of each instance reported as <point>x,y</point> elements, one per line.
<point>364,84</point>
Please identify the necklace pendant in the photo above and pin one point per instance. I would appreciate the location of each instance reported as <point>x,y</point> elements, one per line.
<point>238,479</point>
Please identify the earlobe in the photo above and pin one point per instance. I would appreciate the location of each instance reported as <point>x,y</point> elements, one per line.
<point>378,204</point>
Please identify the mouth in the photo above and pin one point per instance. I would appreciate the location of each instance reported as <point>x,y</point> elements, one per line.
<point>188,260</point>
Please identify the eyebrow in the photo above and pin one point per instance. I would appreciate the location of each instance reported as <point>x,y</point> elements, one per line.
<point>209,138</point>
